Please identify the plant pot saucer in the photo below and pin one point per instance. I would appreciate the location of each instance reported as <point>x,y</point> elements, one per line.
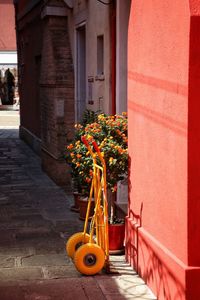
<point>74,208</point>
<point>117,252</point>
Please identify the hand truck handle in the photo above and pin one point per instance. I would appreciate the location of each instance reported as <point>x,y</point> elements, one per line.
<point>95,146</point>
<point>83,139</point>
<point>86,143</point>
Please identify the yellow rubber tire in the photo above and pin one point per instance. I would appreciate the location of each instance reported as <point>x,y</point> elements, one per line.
<point>89,259</point>
<point>75,241</point>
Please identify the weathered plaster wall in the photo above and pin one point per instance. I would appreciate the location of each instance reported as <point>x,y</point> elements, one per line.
<point>99,24</point>
<point>95,16</point>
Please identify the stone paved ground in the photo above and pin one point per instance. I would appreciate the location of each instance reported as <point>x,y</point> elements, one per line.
<point>35,222</point>
<point>9,117</point>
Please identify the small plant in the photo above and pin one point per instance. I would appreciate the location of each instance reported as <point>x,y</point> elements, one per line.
<point>89,117</point>
<point>110,134</point>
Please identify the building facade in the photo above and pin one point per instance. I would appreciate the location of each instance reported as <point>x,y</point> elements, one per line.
<point>46,82</point>
<point>67,63</point>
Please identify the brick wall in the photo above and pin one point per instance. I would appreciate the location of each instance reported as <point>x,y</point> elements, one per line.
<point>46,84</point>
<point>30,36</point>
<point>56,97</point>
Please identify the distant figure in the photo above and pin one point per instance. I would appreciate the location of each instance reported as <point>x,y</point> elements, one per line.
<point>16,98</point>
<point>10,85</point>
<point>2,92</point>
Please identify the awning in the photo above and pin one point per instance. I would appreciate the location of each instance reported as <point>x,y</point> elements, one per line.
<point>8,57</point>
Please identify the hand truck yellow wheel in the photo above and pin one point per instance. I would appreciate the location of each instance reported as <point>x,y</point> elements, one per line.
<point>89,259</point>
<point>75,241</point>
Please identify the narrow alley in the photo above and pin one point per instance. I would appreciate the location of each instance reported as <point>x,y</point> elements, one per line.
<point>35,223</point>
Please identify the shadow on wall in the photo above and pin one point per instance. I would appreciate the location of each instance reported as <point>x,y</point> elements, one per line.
<point>133,222</point>
<point>158,274</point>
<point>145,260</point>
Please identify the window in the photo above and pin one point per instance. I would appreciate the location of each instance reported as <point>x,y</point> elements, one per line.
<point>100,55</point>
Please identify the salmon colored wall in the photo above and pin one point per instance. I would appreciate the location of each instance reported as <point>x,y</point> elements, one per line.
<point>7,26</point>
<point>158,76</point>
<point>163,225</point>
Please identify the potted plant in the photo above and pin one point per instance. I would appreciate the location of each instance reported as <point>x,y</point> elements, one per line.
<point>75,154</point>
<point>116,231</point>
<point>110,134</point>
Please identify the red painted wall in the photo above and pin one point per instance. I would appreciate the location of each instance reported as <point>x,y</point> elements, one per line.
<point>194,137</point>
<point>163,226</point>
<point>7,26</point>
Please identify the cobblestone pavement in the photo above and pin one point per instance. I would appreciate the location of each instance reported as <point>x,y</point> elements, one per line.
<point>35,222</point>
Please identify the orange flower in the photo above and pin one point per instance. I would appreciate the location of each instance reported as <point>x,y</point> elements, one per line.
<point>70,147</point>
<point>120,150</point>
<point>89,138</point>
<point>88,180</point>
<point>111,160</point>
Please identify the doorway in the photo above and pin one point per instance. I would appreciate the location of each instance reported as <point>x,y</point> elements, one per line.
<point>80,72</point>
<point>122,20</point>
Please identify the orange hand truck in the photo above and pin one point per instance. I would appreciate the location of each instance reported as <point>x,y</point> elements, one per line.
<point>90,251</point>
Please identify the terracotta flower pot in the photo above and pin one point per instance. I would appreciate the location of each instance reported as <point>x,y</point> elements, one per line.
<point>116,238</point>
<point>75,206</point>
<point>83,204</point>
